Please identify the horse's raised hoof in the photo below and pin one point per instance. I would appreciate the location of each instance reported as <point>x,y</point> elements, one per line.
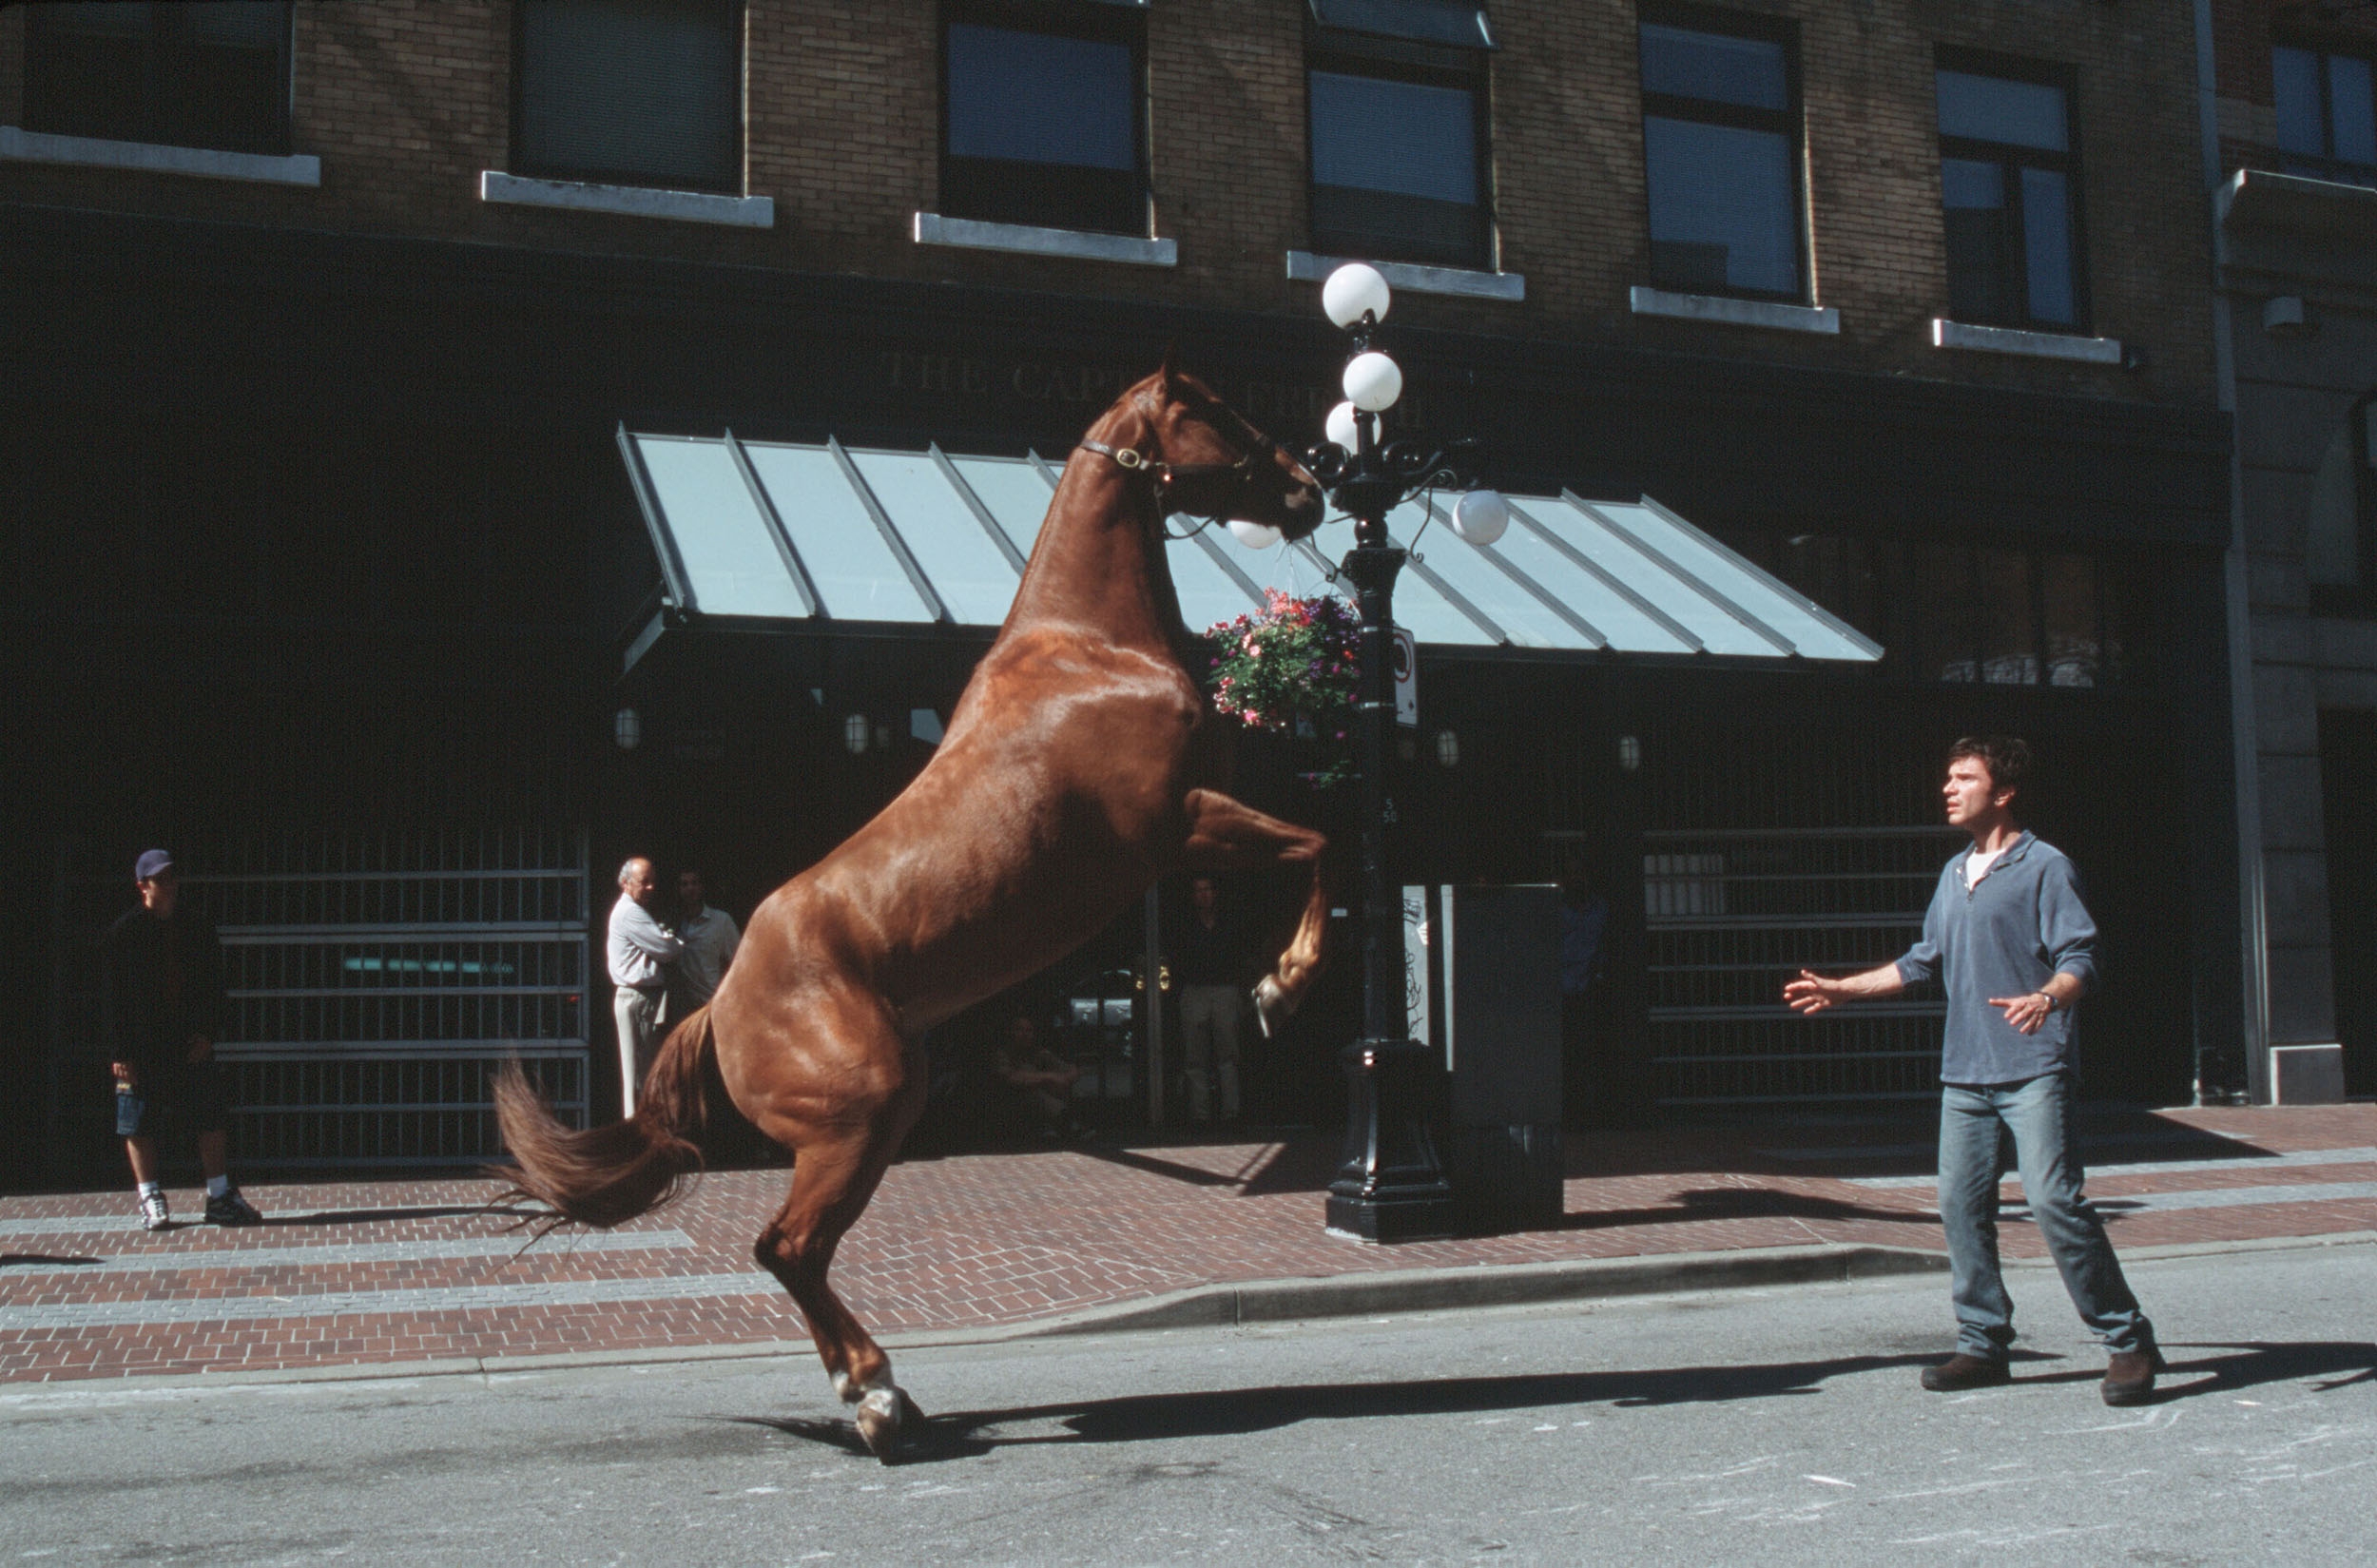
<point>1273,1002</point>
<point>889,1422</point>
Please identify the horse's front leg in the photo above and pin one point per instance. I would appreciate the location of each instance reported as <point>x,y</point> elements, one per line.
<point>1228,835</point>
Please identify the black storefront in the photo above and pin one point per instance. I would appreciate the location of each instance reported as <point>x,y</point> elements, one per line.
<point>330,536</point>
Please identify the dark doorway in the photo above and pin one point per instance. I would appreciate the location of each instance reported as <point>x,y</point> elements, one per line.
<point>2348,762</point>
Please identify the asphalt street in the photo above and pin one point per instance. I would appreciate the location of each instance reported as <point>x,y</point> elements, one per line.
<point>1742,1426</point>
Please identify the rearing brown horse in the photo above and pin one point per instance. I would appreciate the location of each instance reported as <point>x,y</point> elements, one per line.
<point>1080,765</point>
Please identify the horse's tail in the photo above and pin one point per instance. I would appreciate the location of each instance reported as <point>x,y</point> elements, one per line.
<point>608,1174</point>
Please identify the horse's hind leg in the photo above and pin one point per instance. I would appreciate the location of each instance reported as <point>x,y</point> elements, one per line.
<point>839,1156</point>
<point>1228,835</point>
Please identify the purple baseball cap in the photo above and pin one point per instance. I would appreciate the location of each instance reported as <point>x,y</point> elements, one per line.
<point>150,863</point>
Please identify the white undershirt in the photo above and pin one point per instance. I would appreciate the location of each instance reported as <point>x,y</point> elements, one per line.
<point>1977,866</point>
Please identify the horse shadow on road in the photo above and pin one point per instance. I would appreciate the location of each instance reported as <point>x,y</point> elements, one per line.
<point>1239,1412</point>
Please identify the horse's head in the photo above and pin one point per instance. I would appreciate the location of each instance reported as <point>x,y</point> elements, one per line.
<point>1210,462</point>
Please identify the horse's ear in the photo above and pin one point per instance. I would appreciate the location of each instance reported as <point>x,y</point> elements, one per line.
<point>1170,371</point>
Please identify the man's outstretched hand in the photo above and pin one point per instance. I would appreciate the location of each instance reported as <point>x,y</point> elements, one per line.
<point>1813,993</point>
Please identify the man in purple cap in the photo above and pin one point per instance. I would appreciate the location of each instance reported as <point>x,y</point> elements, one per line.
<point>161,982</point>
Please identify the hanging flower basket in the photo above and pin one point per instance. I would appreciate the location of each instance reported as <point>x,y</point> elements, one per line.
<point>1290,670</point>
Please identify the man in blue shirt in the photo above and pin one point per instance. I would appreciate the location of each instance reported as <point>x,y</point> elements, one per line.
<point>2009,938</point>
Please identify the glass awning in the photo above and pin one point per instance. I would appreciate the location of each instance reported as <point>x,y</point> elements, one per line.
<point>789,532</point>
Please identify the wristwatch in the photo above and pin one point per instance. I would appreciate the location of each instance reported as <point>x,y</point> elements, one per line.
<point>2049,998</point>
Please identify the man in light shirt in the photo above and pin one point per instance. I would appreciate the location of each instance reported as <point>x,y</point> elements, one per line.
<point>2009,938</point>
<point>638,947</point>
<point>709,937</point>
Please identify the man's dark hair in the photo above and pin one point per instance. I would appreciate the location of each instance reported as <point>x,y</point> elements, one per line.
<point>2006,757</point>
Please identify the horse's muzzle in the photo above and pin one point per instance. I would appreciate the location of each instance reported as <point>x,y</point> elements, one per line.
<point>1302,510</point>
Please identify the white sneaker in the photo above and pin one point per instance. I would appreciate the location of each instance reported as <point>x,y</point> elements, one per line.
<point>155,1213</point>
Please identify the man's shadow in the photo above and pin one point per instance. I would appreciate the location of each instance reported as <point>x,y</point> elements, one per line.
<point>2337,1364</point>
<point>1238,1412</point>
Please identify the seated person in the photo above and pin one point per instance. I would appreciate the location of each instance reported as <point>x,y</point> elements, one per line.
<point>1043,1078</point>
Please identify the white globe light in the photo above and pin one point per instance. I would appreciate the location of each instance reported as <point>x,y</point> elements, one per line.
<point>1339,427</point>
<point>1253,535</point>
<point>1480,517</point>
<point>1352,289</point>
<point>1373,381</point>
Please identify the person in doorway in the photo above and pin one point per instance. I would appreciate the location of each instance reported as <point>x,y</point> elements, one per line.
<point>1209,965</point>
<point>1584,917</point>
<point>162,991</point>
<point>1044,1078</point>
<point>639,949</point>
<point>2011,939</point>
<point>710,938</point>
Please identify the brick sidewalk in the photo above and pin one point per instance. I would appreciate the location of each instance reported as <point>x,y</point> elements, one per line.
<point>404,1270</point>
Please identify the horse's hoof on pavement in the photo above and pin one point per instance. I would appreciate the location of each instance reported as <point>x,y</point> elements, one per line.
<point>881,1416</point>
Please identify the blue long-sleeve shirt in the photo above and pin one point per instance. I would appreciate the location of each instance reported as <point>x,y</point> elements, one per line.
<point>2024,923</point>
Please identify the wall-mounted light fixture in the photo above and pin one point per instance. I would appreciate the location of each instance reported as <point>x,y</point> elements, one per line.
<point>626,727</point>
<point>853,734</point>
<point>1447,748</point>
<point>2286,317</point>
<point>1630,752</point>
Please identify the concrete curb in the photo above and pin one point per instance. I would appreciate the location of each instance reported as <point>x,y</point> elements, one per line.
<point>1393,1291</point>
<point>1388,1292</point>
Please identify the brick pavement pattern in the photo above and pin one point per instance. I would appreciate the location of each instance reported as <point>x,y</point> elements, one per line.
<point>360,1271</point>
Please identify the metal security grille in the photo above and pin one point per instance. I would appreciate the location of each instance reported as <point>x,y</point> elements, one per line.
<point>377,981</point>
<point>1734,914</point>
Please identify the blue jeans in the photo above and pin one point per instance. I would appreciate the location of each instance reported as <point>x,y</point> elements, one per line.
<point>1975,1121</point>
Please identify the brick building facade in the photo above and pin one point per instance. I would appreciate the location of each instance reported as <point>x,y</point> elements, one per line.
<point>311,434</point>
<point>2292,149</point>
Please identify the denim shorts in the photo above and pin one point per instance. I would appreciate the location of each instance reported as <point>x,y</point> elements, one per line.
<point>195,1092</point>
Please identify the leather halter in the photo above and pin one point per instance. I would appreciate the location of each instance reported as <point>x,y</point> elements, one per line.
<point>1165,475</point>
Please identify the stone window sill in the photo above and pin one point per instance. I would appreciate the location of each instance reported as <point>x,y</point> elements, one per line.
<point>1026,239</point>
<point>2038,346</point>
<point>31,146</point>
<point>1410,276</point>
<point>689,206</point>
<point>1731,312</point>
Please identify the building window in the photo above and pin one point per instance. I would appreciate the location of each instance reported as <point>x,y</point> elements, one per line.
<point>2007,182</point>
<point>1044,115</point>
<point>1974,614</point>
<point>1400,139</point>
<point>212,76</point>
<point>630,93</point>
<point>2326,115</point>
<point>1720,132</point>
<point>2340,534</point>
<point>2009,617</point>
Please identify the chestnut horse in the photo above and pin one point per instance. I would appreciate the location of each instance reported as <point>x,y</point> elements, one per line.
<point>1080,765</point>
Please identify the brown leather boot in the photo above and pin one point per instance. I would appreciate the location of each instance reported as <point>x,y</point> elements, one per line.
<point>1961,1372</point>
<point>2129,1376</point>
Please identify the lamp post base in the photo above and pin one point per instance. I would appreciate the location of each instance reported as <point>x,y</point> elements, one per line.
<point>1391,1185</point>
<point>1380,1220</point>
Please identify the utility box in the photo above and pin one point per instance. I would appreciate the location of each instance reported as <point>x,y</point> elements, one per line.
<point>1492,1004</point>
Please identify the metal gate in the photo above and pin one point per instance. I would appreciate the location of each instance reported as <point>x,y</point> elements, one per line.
<point>376,983</point>
<point>1734,915</point>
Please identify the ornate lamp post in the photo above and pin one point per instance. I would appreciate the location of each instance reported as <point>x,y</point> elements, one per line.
<point>1390,1186</point>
